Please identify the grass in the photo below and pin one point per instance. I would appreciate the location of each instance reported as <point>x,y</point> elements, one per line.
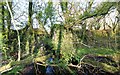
<point>96,51</point>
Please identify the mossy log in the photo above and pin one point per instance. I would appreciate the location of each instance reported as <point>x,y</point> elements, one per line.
<point>28,60</point>
<point>106,63</point>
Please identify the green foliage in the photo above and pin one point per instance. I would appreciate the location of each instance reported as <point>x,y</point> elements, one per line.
<point>64,6</point>
<point>49,10</point>
<point>48,41</point>
<point>67,49</point>
<point>95,51</point>
<point>101,10</point>
<point>39,15</point>
<point>104,8</point>
<point>48,13</point>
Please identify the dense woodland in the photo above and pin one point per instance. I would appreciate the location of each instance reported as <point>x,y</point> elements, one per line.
<point>59,38</point>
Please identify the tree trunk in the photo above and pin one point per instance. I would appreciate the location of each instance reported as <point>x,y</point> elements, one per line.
<point>3,22</point>
<point>9,25</point>
<point>59,42</point>
<point>31,39</point>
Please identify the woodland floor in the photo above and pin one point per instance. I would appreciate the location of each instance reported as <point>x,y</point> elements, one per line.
<point>93,63</point>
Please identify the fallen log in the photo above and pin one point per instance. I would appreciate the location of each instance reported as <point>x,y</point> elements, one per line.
<point>5,68</point>
<point>28,60</point>
<point>12,63</point>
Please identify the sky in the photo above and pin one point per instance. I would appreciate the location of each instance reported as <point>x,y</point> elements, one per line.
<point>20,8</point>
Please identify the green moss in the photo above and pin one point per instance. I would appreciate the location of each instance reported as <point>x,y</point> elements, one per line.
<point>96,51</point>
<point>104,66</point>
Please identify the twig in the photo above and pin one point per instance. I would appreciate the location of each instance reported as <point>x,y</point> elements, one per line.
<point>85,44</point>
<point>79,65</point>
<point>81,61</point>
<point>22,14</point>
<point>6,70</point>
